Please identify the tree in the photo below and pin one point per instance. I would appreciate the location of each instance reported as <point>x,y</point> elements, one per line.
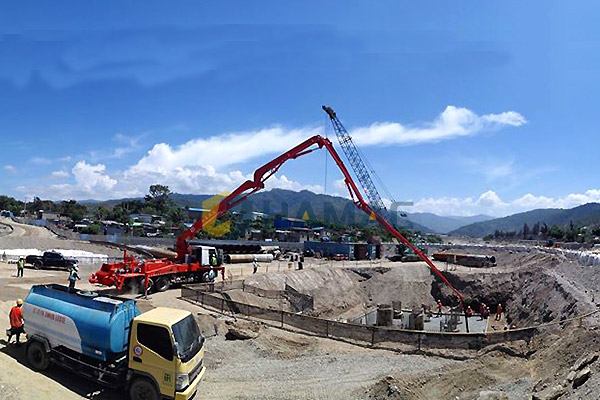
<point>535,231</point>
<point>72,209</point>
<point>101,213</point>
<point>158,198</point>
<point>121,211</point>
<point>525,231</point>
<point>544,230</point>
<point>176,215</point>
<point>556,232</point>
<point>11,204</point>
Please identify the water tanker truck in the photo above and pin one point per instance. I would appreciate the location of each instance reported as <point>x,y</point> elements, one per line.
<point>152,355</point>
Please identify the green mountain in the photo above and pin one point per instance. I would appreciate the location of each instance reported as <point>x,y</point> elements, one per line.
<point>445,224</point>
<point>319,207</point>
<point>587,214</point>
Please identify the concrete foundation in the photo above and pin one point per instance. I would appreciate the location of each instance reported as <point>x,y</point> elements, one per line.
<point>385,315</point>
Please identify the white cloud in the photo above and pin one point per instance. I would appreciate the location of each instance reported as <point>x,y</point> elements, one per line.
<point>47,161</point>
<point>41,160</point>
<point>125,145</point>
<point>90,177</point>
<point>206,165</point>
<point>10,168</point>
<point>283,182</point>
<point>222,150</point>
<point>91,180</point>
<point>453,122</point>
<point>229,149</point>
<point>59,174</point>
<point>490,203</point>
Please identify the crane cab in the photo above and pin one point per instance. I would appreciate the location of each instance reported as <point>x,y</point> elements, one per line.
<point>206,256</point>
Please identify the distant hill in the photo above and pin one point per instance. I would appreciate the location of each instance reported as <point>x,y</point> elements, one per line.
<point>587,214</point>
<point>445,224</point>
<point>320,207</point>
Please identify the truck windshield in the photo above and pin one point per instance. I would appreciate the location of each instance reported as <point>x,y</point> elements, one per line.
<point>187,338</point>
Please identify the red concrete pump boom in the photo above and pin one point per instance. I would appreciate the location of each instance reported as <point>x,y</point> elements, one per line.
<point>266,171</point>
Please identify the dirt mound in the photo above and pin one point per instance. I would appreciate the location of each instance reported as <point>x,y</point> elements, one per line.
<point>409,283</point>
<point>497,373</point>
<point>561,357</point>
<point>530,296</point>
<point>344,293</point>
<point>335,290</point>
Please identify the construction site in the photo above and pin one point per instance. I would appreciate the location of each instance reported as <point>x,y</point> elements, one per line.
<point>472,321</point>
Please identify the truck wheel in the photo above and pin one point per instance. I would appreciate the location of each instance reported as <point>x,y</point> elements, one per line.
<point>37,356</point>
<point>143,389</point>
<point>38,265</point>
<point>163,283</point>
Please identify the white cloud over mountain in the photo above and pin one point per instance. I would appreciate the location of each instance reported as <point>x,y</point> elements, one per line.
<point>490,203</point>
<point>211,164</point>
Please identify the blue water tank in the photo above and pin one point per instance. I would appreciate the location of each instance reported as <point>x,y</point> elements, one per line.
<point>94,325</point>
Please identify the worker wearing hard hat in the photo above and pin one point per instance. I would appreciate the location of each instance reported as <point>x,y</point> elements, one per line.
<point>16,322</point>
<point>20,266</point>
<point>73,277</point>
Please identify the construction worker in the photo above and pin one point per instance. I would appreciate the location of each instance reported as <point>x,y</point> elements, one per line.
<point>254,265</point>
<point>16,322</point>
<point>213,260</point>
<point>469,311</point>
<point>20,267</point>
<point>73,277</point>
<point>439,308</point>
<point>499,312</point>
<point>486,312</point>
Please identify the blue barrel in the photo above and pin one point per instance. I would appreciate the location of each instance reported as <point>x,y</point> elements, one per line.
<point>85,322</point>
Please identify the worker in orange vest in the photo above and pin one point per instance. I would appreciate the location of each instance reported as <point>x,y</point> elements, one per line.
<point>16,321</point>
<point>469,311</point>
<point>499,312</point>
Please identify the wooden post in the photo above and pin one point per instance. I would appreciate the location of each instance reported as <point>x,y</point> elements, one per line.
<point>373,336</point>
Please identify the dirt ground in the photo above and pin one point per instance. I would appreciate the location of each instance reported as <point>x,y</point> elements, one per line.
<point>275,364</point>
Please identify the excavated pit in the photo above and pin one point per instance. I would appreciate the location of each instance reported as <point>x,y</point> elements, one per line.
<point>531,295</point>
<point>530,286</point>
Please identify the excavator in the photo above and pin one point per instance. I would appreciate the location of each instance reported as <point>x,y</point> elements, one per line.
<point>193,265</point>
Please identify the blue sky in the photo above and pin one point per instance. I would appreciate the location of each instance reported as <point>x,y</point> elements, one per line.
<point>462,108</point>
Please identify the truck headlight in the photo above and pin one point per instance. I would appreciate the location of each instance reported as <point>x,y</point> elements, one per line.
<point>182,381</point>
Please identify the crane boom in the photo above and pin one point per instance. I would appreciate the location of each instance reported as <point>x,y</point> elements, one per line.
<point>356,161</point>
<point>267,170</point>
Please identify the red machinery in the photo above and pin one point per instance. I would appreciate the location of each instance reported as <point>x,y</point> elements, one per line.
<point>200,265</point>
<point>164,271</point>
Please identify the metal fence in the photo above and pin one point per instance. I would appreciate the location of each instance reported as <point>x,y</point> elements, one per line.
<point>298,301</point>
<point>351,332</point>
<point>82,260</point>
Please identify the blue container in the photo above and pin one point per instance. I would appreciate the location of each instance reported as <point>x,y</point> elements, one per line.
<point>94,325</point>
